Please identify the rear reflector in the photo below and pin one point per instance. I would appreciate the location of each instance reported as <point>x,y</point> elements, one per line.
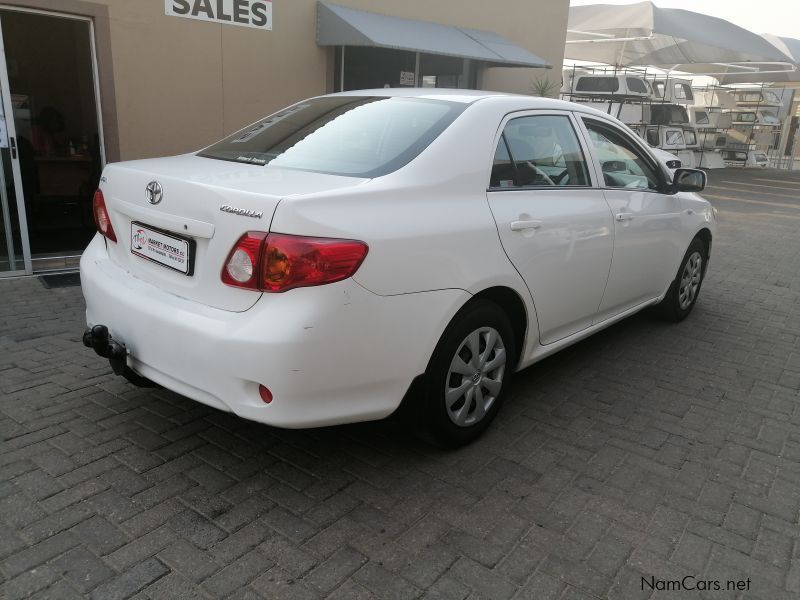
<point>265,394</point>
<point>277,262</point>
<point>101,218</point>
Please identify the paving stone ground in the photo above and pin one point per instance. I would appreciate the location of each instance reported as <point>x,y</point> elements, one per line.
<point>648,451</point>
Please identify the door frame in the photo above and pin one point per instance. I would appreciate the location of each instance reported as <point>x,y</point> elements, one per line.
<point>16,173</point>
<point>6,99</point>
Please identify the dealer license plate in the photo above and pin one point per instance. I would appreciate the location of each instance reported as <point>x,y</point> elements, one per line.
<point>168,250</point>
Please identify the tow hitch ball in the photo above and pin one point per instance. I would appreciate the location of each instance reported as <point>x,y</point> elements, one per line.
<point>97,338</point>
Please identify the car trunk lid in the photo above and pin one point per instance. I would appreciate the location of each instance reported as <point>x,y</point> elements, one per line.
<point>205,206</point>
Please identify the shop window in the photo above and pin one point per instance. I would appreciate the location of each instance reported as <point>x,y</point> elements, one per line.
<point>369,68</point>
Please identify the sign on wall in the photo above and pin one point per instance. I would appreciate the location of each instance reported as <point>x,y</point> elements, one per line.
<point>408,78</point>
<point>245,13</point>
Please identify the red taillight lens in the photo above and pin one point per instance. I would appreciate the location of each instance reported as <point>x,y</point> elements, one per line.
<point>277,262</point>
<point>101,218</point>
<point>292,261</point>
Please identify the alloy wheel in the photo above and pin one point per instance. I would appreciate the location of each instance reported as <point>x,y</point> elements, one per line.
<point>691,277</point>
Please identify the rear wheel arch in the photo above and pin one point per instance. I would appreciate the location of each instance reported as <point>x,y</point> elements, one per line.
<point>469,371</point>
<point>510,302</point>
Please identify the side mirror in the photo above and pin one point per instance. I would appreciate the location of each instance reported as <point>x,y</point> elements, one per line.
<point>689,180</point>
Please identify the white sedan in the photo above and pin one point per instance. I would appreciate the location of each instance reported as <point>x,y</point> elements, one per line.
<point>355,250</point>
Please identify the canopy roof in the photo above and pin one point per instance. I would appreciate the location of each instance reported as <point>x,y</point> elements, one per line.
<point>644,34</point>
<point>341,26</point>
<point>754,72</point>
<point>789,46</point>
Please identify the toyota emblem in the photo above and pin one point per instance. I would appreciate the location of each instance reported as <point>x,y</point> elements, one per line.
<point>154,192</point>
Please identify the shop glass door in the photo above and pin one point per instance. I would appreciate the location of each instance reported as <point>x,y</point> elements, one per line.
<point>51,83</point>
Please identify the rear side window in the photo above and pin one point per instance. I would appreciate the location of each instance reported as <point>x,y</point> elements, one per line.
<point>750,97</point>
<point>539,151</point>
<point>637,86</point>
<point>341,135</point>
<point>503,174</point>
<point>622,162</point>
<point>673,138</point>
<point>701,117</point>
<point>683,91</point>
<point>597,84</point>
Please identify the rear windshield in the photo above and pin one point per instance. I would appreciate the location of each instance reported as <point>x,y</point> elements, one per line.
<point>341,135</point>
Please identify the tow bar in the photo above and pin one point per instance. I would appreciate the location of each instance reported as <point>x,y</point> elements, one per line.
<point>104,345</point>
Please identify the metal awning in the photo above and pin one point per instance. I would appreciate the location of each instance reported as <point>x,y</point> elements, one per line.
<point>341,26</point>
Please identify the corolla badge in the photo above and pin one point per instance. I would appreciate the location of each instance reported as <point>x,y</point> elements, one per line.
<point>242,212</point>
<point>154,192</point>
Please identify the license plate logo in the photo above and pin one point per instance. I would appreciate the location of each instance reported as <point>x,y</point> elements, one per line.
<point>166,250</point>
<point>139,239</point>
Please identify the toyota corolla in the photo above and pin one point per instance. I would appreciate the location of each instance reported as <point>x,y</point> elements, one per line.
<point>358,249</point>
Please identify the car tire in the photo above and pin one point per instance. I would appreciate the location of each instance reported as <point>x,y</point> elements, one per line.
<point>685,289</point>
<point>468,374</point>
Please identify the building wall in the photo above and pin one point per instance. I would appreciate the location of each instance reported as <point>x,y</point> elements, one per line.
<point>181,84</point>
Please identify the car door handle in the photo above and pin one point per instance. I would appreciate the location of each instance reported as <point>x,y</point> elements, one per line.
<point>622,217</point>
<point>523,225</point>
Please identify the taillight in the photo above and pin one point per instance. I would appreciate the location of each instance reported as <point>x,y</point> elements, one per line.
<point>277,262</point>
<point>101,218</point>
<point>241,268</point>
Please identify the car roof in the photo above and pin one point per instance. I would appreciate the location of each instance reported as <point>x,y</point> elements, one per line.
<point>453,95</point>
<point>508,101</point>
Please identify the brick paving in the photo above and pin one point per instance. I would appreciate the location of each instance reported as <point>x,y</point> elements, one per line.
<point>649,450</point>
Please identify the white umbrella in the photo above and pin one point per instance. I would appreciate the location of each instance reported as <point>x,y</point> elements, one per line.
<point>643,34</point>
<point>765,73</point>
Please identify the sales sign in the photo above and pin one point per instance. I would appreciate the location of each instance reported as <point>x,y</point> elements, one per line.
<point>245,13</point>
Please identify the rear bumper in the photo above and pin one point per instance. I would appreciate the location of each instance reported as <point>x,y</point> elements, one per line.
<point>331,354</point>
